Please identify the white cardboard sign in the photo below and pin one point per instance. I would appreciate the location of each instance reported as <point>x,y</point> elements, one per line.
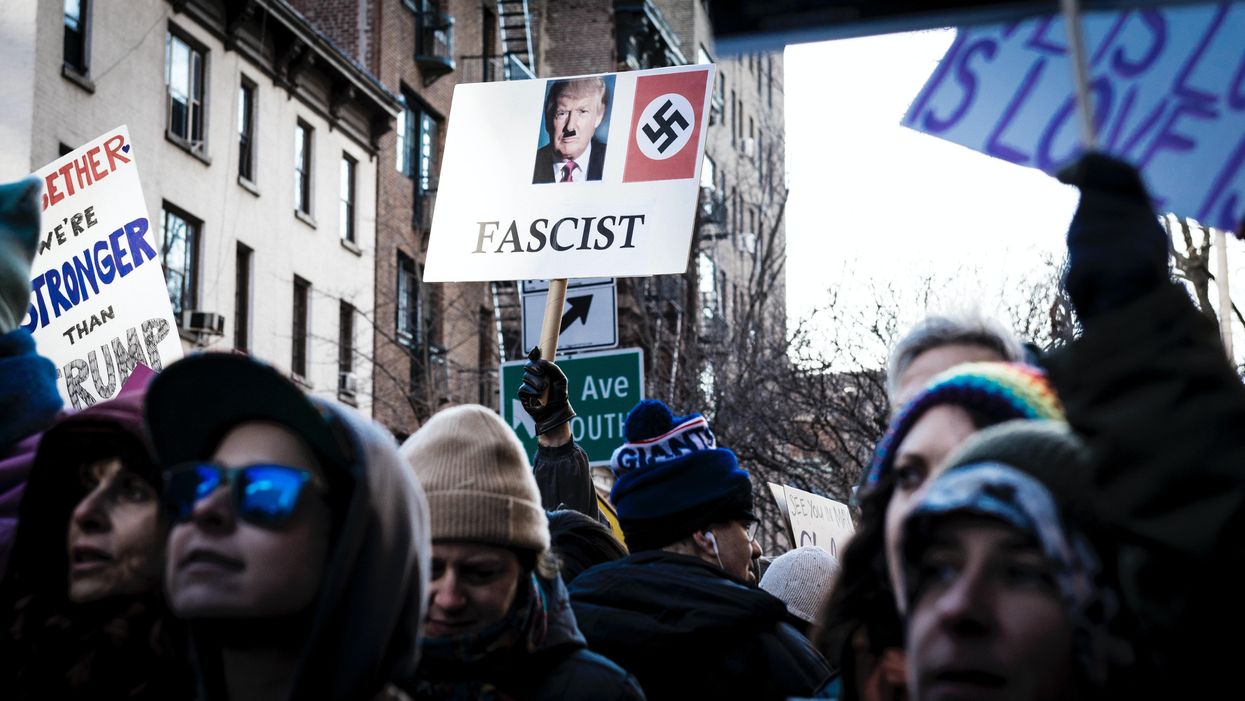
<point>595,176</point>
<point>99,304</point>
<point>816,520</point>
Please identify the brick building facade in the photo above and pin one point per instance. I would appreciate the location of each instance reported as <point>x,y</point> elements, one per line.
<point>435,344</point>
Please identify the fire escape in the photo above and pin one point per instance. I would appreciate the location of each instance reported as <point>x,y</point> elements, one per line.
<point>514,25</point>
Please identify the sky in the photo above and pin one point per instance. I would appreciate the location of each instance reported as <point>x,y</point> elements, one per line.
<point>873,203</point>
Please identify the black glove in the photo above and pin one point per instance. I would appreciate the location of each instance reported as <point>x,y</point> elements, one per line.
<point>1117,250</point>
<point>550,410</point>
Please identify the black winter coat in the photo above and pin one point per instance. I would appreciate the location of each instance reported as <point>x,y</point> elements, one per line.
<point>688,631</point>
<point>1150,388</point>
<point>561,668</point>
<point>564,479</point>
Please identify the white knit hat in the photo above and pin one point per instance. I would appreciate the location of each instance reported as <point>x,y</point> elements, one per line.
<point>801,578</point>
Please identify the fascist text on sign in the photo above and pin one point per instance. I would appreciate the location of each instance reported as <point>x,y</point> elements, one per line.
<point>603,388</point>
<point>99,305</point>
<point>1168,87</point>
<point>593,176</point>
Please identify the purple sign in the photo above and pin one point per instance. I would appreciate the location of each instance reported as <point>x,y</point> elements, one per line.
<point>1168,89</point>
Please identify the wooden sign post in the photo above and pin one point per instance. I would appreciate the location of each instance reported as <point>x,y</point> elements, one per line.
<point>551,328</point>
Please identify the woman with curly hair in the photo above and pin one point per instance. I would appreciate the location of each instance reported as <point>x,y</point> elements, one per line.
<point>82,600</point>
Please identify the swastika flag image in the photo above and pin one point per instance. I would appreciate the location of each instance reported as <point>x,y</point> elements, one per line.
<point>665,126</point>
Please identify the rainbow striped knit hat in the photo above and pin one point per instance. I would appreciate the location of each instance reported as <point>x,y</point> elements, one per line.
<point>999,391</point>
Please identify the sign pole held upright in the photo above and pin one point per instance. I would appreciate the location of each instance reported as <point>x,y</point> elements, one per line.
<point>1080,71</point>
<point>551,328</point>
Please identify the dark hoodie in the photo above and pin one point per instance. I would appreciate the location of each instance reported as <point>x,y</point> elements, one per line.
<point>369,613</point>
<point>536,653</point>
<point>688,631</point>
<point>120,647</point>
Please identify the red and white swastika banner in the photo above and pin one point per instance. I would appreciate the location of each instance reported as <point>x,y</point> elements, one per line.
<point>665,126</point>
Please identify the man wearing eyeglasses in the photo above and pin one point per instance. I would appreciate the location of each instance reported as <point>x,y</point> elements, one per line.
<point>687,594</point>
<point>299,550</point>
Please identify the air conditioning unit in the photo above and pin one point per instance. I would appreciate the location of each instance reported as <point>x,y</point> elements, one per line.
<point>205,323</point>
<point>749,146</point>
<point>347,383</point>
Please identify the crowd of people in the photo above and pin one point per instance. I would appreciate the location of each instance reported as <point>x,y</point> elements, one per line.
<point>1065,526</point>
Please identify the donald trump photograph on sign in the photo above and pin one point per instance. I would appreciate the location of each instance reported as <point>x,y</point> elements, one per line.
<point>571,151</point>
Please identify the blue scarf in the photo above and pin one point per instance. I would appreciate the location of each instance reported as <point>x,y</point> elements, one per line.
<point>29,401</point>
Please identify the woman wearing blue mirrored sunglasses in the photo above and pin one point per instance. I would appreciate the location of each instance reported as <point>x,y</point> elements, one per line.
<point>263,494</point>
<point>226,555</point>
<point>299,545</point>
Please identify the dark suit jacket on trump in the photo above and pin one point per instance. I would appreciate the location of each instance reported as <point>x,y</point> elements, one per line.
<point>546,157</point>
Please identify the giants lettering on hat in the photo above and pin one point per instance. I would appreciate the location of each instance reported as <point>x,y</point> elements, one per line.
<point>685,438</point>
<point>665,127</point>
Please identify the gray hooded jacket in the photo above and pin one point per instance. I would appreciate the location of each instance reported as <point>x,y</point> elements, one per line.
<point>370,610</point>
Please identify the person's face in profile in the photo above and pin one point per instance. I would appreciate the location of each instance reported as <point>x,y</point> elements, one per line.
<point>575,118</point>
<point>921,455</point>
<point>987,621</point>
<point>115,536</point>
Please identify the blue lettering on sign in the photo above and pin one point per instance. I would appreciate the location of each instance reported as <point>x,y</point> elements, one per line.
<point>1168,88</point>
<point>58,290</point>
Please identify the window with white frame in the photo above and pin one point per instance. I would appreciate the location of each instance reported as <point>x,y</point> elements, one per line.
<point>184,77</point>
<point>302,167</point>
<point>346,221</point>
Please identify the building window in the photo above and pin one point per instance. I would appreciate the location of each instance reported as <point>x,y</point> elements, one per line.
<point>406,138</point>
<point>488,46</point>
<point>708,169</point>
<point>179,253</point>
<point>302,168</point>
<point>736,217</point>
<point>345,350</point>
<point>707,273</point>
<point>242,298</point>
<point>246,131</point>
<point>184,71</point>
<point>761,158</point>
<point>346,224</point>
<point>769,79</point>
<point>429,134</point>
<point>734,119</point>
<point>419,133</point>
<point>77,20</point>
<point>408,302</point>
<point>739,123</point>
<point>298,358</point>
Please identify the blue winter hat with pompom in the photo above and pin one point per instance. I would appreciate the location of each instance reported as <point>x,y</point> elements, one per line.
<point>673,479</point>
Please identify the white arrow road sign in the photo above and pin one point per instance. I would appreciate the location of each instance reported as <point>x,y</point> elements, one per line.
<point>530,286</point>
<point>589,317</point>
<point>520,417</point>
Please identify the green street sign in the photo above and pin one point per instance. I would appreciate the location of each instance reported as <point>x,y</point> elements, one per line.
<point>603,388</point>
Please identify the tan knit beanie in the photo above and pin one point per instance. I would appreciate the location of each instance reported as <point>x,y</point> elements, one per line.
<point>479,484</point>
